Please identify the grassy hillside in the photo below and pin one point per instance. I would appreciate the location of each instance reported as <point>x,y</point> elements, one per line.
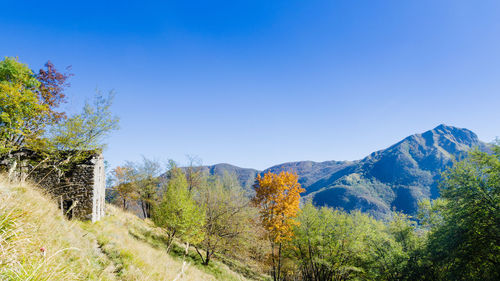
<point>120,247</point>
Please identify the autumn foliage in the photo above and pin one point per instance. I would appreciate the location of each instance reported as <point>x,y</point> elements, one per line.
<point>125,186</point>
<point>278,196</point>
<point>51,90</point>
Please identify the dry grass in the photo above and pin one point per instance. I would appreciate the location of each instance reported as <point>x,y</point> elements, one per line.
<point>30,221</point>
<point>135,259</point>
<point>119,247</point>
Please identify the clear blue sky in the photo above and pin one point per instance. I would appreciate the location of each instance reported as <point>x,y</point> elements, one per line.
<point>258,82</point>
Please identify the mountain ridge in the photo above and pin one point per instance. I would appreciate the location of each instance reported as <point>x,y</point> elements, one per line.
<point>394,178</point>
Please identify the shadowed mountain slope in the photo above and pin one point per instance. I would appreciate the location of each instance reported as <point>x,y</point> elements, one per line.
<point>395,178</point>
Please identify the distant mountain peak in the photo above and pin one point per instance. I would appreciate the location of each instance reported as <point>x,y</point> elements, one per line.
<point>445,127</point>
<point>450,136</point>
<point>451,130</point>
<point>396,177</point>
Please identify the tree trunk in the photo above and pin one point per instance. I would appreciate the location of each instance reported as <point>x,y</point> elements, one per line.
<point>207,257</point>
<point>279,263</point>
<point>275,259</point>
<point>204,261</point>
<point>143,208</point>
<point>170,240</point>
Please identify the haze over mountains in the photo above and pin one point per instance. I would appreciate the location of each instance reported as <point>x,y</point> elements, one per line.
<point>395,178</point>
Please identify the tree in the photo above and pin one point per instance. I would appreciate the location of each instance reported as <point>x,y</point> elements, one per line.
<point>335,245</point>
<point>311,248</point>
<point>227,215</point>
<point>51,91</point>
<point>465,244</point>
<point>29,118</point>
<point>28,103</point>
<point>87,130</point>
<point>125,186</point>
<point>278,197</point>
<point>430,213</point>
<point>194,173</point>
<point>76,138</point>
<point>404,253</point>
<point>147,180</point>
<point>177,212</point>
<point>19,105</point>
<point>28,106</point>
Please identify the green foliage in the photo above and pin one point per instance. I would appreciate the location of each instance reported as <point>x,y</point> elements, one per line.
<point>466,244</point>
<point>28,104</point>
<point>335,245</point>
<point>19,105</point>
<point>430,212</point>
<point>144,178</point>
<point>177,212</point>
<point>29,118</point>
<point>227,218</point>
<point>88,129</point>
<point>124,185</point>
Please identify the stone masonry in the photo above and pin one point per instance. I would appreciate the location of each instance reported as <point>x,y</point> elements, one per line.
<point>79,188</point>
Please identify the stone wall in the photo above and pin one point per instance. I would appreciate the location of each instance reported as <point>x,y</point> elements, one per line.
<point>99,194</point>
<point>78,187</point>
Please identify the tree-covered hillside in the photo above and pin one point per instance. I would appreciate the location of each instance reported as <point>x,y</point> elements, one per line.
<point>395,178</point>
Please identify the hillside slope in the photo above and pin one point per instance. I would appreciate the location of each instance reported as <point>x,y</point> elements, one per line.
<point>401,175</point>
<point>393,178</point>
<point>120,247</point>
<point>245,176</point>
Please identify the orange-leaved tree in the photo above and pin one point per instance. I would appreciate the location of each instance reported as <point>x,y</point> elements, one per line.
<point>278,196</point>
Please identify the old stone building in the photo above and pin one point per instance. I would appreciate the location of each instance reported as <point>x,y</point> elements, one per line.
<point>78,186</point>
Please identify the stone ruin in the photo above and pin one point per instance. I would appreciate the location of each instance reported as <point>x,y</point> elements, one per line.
<point>78,188</point>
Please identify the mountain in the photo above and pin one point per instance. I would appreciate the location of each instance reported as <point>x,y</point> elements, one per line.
<point>245,176</point>
<point>395,178</point>
<point>399,176</point>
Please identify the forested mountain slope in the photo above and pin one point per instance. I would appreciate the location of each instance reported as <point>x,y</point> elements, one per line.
<point>393,178</point>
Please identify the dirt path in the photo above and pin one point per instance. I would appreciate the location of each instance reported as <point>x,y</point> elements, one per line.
<point>111,269</point>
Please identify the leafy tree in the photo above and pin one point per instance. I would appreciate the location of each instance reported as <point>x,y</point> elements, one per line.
<point>77,137</point>
<point>29,118</point>
<point>51,91</point>
<point>430,213</point>
<point>227,216</point>
<point>147,180</point>
<point>87,130</point>
<point>125,185</point>
<point>466,244</point>
<point>277,197</point>
<point>334,245</point>
<point>317,256</point>
<point>19,105</point>
<point>177,212</point>
<point>28,103</point>
<point>404,251</point>
<point>194,173</point>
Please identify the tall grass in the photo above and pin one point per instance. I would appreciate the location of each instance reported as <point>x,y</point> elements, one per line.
<point>30,221</point>
<point>119,247</point>
<point>136,259</point>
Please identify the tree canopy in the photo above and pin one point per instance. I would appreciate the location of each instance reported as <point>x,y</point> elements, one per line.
<point>465,243</point>
<point>30,118</point>
<point>277,196</point>
<point>177,212</point>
